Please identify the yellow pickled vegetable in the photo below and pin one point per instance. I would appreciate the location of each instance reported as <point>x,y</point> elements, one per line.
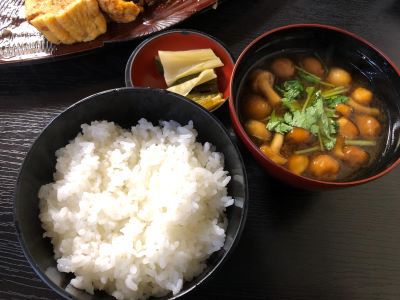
<point>208,101</point>
<point>180,64</point>
<point>185,87</point>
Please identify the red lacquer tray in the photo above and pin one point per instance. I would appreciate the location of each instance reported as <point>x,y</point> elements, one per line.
<point>21,42</point>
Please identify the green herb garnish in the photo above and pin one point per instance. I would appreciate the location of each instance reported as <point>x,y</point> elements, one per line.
<point>308,150</point>
<point>335,100</point>
<point>339,90</point>
<point>311,78</point>
<point>291,90</point>
<point>360,143</point>
<point>316,114</point>
<point>310,92</point>
<point>278,124</point>
<point>327,126</point>
<point>292,105</point>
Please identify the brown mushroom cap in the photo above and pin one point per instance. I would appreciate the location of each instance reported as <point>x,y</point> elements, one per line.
<point>344,109</point>
<point>355,156</point>
<point>324,166</point>
<point>257,130</point>
<point>298,163</point>
<point>256,107</point>
<point>283,68</point>
<point>362,96</point>
<point>339,77</point>
<point>369,127</point>
<point>313,66</point>
<point>262,82</point>
<point>298,135</point>
<point>347,128</point>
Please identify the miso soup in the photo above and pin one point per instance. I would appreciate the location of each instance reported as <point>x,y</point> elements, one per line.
<point>319,121</point>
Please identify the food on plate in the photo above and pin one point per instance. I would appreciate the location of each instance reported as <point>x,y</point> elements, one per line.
<point>206,100</point>
<point>180,64</point>
<point>319,122</point>
<point>191,73</point>
<point>66,21</point>
<point>187,86</point>
<point>120,222</point>
<point>72,21</point>
<point>120,11</point>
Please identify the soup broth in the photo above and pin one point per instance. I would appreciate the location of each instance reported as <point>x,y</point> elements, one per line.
<point>317,120</point>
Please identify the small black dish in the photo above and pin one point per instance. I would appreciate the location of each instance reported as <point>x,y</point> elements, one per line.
<point>125,107</point>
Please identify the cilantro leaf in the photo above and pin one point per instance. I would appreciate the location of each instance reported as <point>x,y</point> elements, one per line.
<point>328,142</point>
<point>292,105</point>
<point>317,114</point>
<point>278,124</point>
<point>292,89</point>
<point>335,100</point>
<point>312,97</point>
<point>316,118</point>
<point>301,119</point>
<point>327,126</point>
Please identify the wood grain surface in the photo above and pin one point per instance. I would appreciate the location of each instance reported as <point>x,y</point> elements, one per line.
<point>342,244</point>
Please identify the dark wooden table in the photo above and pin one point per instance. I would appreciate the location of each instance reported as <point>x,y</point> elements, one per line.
<point>342,244</point>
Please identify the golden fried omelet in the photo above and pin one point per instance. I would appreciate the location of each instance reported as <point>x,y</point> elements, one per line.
<point>66,21</point>
<point>119,10</point>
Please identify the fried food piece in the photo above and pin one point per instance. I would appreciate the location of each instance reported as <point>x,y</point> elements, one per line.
<point>119,10</point>
<point>66,21</point>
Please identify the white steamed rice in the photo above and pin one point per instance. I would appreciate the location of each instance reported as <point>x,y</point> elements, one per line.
<point>135,213</point>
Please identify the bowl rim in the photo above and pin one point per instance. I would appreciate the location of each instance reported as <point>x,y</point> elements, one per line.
<point>138,49</point>
<point>250,145</point>
<point>228,252</point>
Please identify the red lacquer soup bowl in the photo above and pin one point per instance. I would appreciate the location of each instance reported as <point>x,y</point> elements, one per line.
<point>355,54</point>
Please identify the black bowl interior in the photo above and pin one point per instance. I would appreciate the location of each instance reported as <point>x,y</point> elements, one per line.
<point>335,48</point>
<point>125,107</point>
